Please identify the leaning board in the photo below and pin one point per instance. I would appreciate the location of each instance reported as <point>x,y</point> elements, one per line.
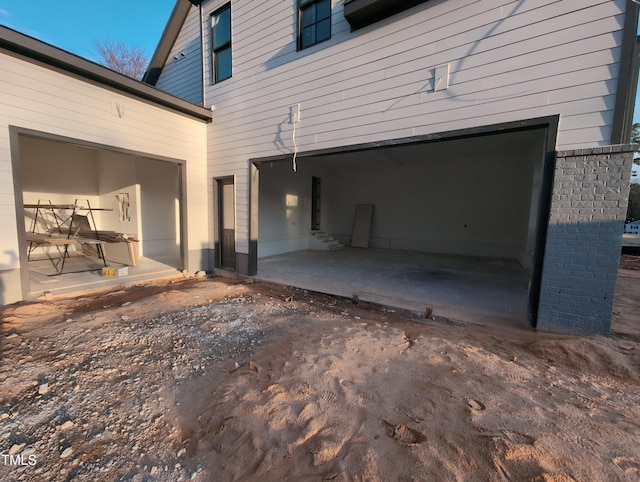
<point>362,226</point>
<point>124,253</point>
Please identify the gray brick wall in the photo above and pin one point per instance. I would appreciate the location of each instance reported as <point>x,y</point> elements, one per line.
<point>584,239</point>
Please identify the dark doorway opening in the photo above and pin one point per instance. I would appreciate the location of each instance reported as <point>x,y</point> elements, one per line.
<point>315,202</point>
<point>226,223</point>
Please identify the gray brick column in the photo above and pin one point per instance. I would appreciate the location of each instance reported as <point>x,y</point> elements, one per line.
<point>584,239</point>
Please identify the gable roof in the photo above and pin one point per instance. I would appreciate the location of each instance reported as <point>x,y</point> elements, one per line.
<point>36,51</point>
<point>168,38</point>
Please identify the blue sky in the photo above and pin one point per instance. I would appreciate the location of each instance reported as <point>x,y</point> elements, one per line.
<point>73,25</point>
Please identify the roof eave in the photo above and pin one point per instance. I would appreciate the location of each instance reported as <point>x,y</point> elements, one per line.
<point>167,40</point>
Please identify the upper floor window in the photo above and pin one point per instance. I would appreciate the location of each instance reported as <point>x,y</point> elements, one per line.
<point>221,43</point>
<point>314,22</point>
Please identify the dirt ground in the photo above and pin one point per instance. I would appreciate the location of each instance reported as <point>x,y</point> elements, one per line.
<point>218,380</point>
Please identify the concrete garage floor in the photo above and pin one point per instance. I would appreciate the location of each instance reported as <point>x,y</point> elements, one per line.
<point>43,280</point>
<point>479,290</point>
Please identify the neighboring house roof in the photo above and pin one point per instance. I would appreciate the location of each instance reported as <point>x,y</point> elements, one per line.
<point>35,50</point>
<point>168,38</point>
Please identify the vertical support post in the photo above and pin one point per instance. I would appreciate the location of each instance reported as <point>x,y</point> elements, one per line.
<point>254,195</point>
<point>584,239</point>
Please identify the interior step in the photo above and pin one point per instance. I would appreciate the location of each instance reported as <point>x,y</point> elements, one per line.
<point>324,242</point>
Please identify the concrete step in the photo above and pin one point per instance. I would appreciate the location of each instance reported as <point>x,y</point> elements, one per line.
<point>324,241</point>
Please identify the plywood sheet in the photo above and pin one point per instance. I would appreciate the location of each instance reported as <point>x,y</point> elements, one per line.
<point>362,226</point>
<point>123,253</point>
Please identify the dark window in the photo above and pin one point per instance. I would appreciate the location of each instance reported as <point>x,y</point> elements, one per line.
<point>315,22</point>
<point>221,43</point>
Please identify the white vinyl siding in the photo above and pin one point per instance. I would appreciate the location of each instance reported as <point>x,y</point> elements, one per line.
<point>508,61</point>
<point>182,74</point>
<point>37,98</point>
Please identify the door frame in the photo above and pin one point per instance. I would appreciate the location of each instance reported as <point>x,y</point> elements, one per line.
<point>218,207</point>
<point>17,133</point>
<point>550,123</point>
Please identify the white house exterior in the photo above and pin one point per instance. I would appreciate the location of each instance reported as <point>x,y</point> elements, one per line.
<point>70,129</point>
<point>487,128</point>
<point>395,105</point>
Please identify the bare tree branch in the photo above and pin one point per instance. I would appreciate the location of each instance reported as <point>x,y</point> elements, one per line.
<point>130,61</point>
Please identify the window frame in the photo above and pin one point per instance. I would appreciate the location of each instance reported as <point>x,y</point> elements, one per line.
<point>226,46</point>
<point>303,5</point>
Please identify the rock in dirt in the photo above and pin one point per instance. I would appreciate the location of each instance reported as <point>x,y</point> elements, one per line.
<point>66,453</point>
<point>67,425</point>
<point>16,448</point>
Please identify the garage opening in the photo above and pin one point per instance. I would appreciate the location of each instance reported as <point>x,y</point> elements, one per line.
<point>90,207</point>
<point>455,223</point>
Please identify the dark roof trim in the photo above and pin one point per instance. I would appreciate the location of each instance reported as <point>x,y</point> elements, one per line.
<point>627,77</point>
<point>168,38</point>
<point>35,50</point>
<point>360,13</point>
<point>549,122</point>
